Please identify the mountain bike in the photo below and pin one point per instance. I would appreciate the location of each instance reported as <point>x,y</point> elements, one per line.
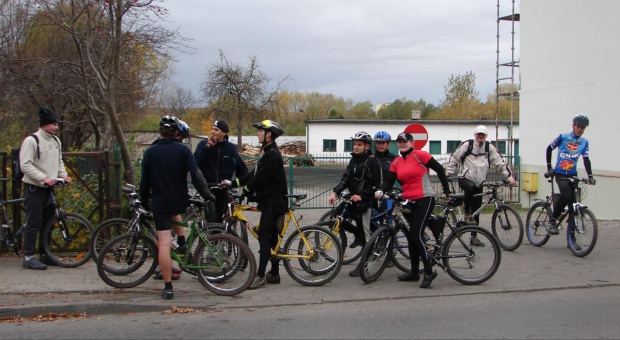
<point>312,255</point>
<point>582,227</point>
<point>9,240</point>
<point>66,237</point>
<point>223,263</point>
<point>465,263</point>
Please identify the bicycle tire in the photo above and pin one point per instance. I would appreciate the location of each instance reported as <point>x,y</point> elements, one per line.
<point>507,227</point>
<point>376,254</point>
<point>349,255</point>
<point>72,253</point>
<point>105,232</point>
<point>400,253</point>
<point>582,238</point>
<point>536,223</point>
<point>467,264</point>
<point>127,260</point>
<point>325,262</point>
<point>223,258</point>
<point>239,229</point>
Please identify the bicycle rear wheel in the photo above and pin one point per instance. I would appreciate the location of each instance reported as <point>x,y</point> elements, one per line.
<point>127,260</point>
<point>345,236</point>
<point>536,223</point>
<point>312,257</point>
<point>471,265</point>
<point>73,248</point>
<point>222,262</point>
<point>582,237</point>
<point>105,232</point>
<point>507,227</point>
<point>376,253</point>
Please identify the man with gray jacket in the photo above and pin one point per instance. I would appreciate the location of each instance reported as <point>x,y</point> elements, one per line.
<point>474,157</point>
<point>41,162</point>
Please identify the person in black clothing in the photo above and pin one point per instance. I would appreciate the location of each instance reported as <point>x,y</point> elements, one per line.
<point>218,159</point>
<point>362,177</point>
<point>382,144</point>
<point>266,185</point>
<point>164,179</point>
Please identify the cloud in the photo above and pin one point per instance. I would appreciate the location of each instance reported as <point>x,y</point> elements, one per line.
<point>362,50</point>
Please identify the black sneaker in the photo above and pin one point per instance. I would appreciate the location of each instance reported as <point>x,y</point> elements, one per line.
<point>33,263</point>
<point>356,243</point>
<point>428,278</point>
<point>46,260</point>
<point>355,272</point>
<point>270,278</point>
<point>553,228</point>
<point>167,294</point>
<point>409,277</point>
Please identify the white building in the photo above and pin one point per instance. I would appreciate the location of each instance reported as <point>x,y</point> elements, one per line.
<point>327,137</point>
<point>569,52</point>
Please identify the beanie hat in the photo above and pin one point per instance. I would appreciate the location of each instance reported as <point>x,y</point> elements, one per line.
<point>222,125</point>
<point>47,116</point>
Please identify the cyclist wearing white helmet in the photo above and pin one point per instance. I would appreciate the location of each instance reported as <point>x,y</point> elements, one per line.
<point>570,146</point>
<point>362,177</point>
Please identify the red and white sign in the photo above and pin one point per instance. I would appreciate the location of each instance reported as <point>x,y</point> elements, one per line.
<point>419,133</point>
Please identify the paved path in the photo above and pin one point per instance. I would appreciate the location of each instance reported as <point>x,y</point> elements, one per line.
<point>63,290</point>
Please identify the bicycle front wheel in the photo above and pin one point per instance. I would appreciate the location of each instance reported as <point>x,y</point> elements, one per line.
<point>583,235</point>
<point>226,265</point>
<point>312,257</point>
<point>507,227</point>
<point>105,232</point>
<point>467,264</point>
<point>536,223</point>
<point>376,253</point>
<point>127,260</point>
<point>400,254</point>
<point>66,240</point>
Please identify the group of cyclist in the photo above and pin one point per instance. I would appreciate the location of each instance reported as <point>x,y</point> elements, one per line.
<point>166,164</point>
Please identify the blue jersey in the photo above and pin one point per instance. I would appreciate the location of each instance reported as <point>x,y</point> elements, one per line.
<point>570,148</point>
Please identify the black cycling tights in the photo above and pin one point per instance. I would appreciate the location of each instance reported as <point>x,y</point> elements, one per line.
<point>567,195</point>
<point>268,239</point>
<point>421,210</point>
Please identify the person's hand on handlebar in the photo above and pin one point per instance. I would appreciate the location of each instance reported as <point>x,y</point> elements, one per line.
<point>592,181</point>
<point>226,183</point>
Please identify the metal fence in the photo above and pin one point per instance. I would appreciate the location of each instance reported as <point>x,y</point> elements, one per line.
<point>317,176</point>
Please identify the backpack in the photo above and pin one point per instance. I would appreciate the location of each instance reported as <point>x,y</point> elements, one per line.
<point>471,146</point>
<point>17,171</point>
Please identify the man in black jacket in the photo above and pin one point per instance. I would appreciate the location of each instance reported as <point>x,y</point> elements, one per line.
<point>218,159</point>
<point>164,179</point>
<point>362,178</point>
<point>266,185</point>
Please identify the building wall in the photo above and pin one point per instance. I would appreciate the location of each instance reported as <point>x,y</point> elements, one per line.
<point>569,65</point>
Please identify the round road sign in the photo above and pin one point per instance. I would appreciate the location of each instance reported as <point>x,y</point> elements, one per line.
<point>419,133</point>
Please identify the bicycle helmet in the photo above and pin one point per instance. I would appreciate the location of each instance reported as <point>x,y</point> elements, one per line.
<point>183,129</point>
<point>581,120</point>
<point>382,136</point>
<point>363,136</point>
<point>169,123</point>
<point>270,125</point>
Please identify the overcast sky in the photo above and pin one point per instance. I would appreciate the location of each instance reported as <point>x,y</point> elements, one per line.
<point>379,50</point>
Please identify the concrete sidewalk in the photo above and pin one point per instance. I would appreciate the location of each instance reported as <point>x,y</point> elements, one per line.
<point>63,290</point>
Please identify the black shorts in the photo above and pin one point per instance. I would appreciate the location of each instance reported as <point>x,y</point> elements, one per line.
<point>163,222</point>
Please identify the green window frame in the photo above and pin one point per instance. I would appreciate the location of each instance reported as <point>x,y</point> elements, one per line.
<point>329,145</point>
<point>434,147</point>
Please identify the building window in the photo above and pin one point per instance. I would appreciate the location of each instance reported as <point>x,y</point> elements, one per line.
<point>329,145</point>
<point>435,147</point>
<point>452,145</point>
<point>348,145</point>
<point>500,146</point>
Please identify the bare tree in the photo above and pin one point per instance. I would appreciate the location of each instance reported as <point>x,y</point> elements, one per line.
<point>239,94</point>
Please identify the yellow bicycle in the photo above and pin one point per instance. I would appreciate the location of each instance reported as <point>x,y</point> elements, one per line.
<point>312,255</point>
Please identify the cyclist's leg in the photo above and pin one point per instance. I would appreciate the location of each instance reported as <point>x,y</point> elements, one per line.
<point>265,233</point>
<point>566,189</point>
<point>471,204</point>
<point>275,261</point>
<point>37,199</point>
<point>163,226</point>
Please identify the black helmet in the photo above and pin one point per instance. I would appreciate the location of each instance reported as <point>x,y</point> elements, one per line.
<point>581,120</point>
<point>183,129</point>
<point>169,123</point>
<point>270,125</point>
<point>363,136</point>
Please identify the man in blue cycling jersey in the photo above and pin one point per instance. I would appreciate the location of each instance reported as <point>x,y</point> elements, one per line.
<point>570,146</point>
